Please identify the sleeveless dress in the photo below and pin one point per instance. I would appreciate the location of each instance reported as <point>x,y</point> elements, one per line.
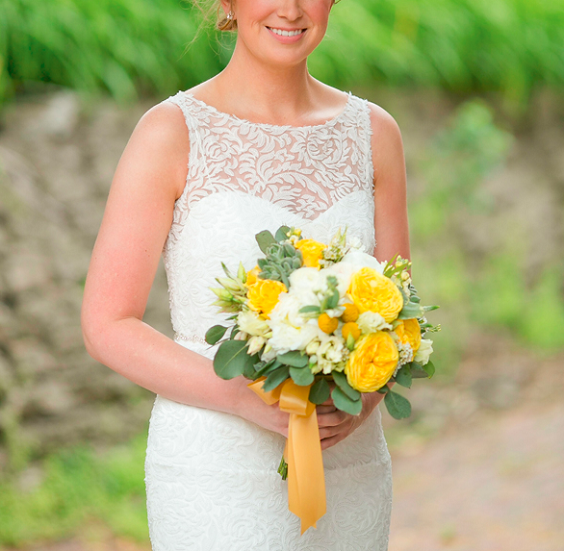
<point>211,477</point>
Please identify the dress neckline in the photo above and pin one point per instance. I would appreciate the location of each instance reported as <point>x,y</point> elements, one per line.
<point>239,120</point>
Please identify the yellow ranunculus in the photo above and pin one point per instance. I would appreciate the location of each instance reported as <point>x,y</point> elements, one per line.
<point>372,362</point>
<point>311,251</point>
<point>409,332</point>
<point>252,276</point>
<point>263,295</point>
<point>374,292</point>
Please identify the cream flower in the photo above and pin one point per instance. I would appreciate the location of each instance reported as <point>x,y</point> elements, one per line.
<point>370,322</point>
<point>425,350</point>
<point>250,322</point>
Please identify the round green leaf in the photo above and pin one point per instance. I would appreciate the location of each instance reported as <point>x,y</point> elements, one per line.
<point>341,381</point>
<point>398,406</point>
<point>302,376</point>
<point>294,358</point>
<point>344,403</point>
<point>429,368</point>
<point>319,392</point>
<point>403,377</point>
<point>276,377</point>
<point>232,360</point>
<point>215,334</point>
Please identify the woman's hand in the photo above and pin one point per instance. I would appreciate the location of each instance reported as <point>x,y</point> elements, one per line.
<point>254,409</point>
<point>335,425</point>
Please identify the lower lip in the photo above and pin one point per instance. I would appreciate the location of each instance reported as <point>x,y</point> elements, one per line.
<point>286,39</point>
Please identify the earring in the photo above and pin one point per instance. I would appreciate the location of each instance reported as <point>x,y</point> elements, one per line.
<point>230,16</point>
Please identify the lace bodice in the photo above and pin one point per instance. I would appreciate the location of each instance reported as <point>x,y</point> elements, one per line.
<point>245,177</point>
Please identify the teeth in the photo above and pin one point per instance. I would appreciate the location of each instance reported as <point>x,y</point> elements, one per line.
<point>280,32</point>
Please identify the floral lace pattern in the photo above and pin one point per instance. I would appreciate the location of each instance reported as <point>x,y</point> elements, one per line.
<point>211,477</point>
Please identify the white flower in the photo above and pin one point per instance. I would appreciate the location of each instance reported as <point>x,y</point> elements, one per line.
<point>331,354</point>
<point>291,330</point>
<point>342,272</point>
<point>303,284</point>
<point>425,350</point>
<point>255,344</point>
<point>370,322</point>
<point>363,260</point>
<point>250,322</point>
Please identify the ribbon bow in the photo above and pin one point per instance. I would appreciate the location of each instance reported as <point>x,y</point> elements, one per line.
<point>306,478</point>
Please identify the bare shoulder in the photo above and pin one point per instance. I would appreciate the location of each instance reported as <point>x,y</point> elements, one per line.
<point>160,142</point>
<point>387,145</point>
<point>384,126</point>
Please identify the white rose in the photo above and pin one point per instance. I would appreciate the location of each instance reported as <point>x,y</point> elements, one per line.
<point>303,283</point>
<point>363,260</point>
<point>425,350</point>
<point>290,330</point>
<point>343,274</point>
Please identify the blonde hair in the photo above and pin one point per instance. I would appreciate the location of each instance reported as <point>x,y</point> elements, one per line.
<point>209,8</point>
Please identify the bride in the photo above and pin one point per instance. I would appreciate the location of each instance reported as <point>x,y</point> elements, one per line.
<point>260,145</point>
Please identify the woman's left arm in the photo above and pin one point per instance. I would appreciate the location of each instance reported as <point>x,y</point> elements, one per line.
<point>392,237</point>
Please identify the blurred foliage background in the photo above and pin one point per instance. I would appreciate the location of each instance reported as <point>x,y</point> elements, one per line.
<point>495,271</point>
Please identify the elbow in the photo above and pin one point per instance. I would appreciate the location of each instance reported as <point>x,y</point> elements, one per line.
<point>92,333</point>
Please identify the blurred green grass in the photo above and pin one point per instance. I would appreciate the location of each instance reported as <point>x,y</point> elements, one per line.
<point>131,47</point>
<point>77,486</point>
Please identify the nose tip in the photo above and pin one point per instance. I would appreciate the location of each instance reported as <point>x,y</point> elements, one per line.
<point>290,9</point>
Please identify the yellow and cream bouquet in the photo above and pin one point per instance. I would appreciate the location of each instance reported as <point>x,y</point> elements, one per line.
<point>312,321</point>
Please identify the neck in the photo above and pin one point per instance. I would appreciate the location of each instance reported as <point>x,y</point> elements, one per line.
<point>276,94</point>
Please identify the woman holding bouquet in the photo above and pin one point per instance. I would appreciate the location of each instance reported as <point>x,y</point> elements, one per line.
<point>262,144</point>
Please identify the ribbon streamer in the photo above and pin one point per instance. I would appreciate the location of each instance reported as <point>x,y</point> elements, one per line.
<point>306,478</point>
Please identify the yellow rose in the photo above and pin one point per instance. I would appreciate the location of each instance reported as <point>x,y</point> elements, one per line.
<point>372,362</point>
<point>263,295</point>
<point>374,292</point>
<point>409,332</point>
<point>311,251</point>
<point>252,276</point>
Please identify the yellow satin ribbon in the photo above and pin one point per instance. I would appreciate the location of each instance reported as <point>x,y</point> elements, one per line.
<point>306,478</point>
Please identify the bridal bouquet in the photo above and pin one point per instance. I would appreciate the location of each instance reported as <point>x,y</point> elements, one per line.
<point>312,321</point>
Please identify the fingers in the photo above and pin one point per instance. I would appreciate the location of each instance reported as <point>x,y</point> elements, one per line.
<point>332,418</point>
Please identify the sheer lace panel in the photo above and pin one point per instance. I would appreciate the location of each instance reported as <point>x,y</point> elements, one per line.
<point>303,169</point>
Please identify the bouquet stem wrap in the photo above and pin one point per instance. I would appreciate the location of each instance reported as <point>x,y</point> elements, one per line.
<point>306,478</point>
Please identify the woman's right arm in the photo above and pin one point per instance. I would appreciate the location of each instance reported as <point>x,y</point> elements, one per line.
<point>149,178</point>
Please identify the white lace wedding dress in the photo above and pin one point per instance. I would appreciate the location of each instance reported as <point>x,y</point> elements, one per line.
<point>211,477</point>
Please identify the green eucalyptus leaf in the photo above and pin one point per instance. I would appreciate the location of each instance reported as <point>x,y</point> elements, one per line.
<point>429,368</point>
<point>302,376</point>
<point>333,300</point>
<point>265,240</point>
<point>276,377</point>
<point>294,358</point>
<point>268,368</point>
<point>320,392</point>
<point>344,403</point>
<point>430,308</point>
<point>232,360</point>
<point>398,406</point>
<point>341,381</point>
<point>403,377</point>
<point>282,233</point>
<point>417,371</point>
<point>309,310</point>
<point>215,334</point>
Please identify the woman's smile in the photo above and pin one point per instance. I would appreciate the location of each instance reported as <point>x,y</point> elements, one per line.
<point>286,36</point>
